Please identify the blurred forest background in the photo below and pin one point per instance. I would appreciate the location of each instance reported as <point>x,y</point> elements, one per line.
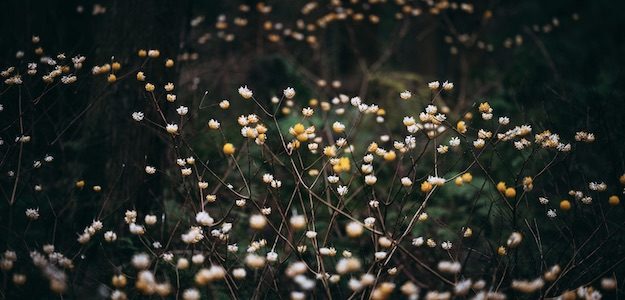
<point>559,64</point>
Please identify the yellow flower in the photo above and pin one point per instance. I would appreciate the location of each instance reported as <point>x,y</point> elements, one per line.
<point>116,66</point>
<point>149,87</point>
<point>142,53</point>
<point>502,251</point>
<point>614,200</point>
<point>169,63</point>
<point>80,184</point>
<point>329,151</point>
<point>299,128</point>
<point>119,281</point>
<point>105,68</point>
<point>372,147</point>
<point>510,192</point>
<point>501,187</point>
<point>228,149</point>
<point>426,187</point>
<point>565,205</point>
<point>302,137</point>
<point>485,107</point>
<point>467,177</point>
<point>461,126</point>
<point>390,155</point>
<point>112,78</point>
<point>342,166</point>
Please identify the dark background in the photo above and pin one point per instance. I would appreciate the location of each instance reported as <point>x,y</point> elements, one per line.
<point>566,80</point>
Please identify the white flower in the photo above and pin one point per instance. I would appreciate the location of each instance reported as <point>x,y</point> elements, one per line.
<point>449,267</point>
<point>307,112</point>
<point>186,171</point>
<point>442,149</point>
<point>405,181</point>
<point>543,200</point>
<point>405,95</point>
<point>448,86</point>
<point>551,213</point>
<point>239,273</point>
<point>32,213</point>
<point>446,245</point>
<point>137,116</point>
<point>341,190</point>
<point>431,109</point>
<point>364,108</point>
<point>289,93</point>
<point>333,179</point>
<point>504,120</point>
<point>233,248</point>
<point>204,218</point>
<point>276,184</point>
<point>380,255</point>
<point>150,219</point>
<point>213,124</point>
<point>462,287</point>
<point>136,229</point>
<point>110,236</point>
<point>327,251</point>
<point>409,121</point>
<point>600,187</point>
<point>479,143</point>
<point>257,221</point>
<point>418,241</point>
<point>224,104</point>
<point>272,256</point>
<point>130,216</point>
<point>168,257</point>
<point>245,92</point>
<point>191,294</point>
<point>366,168</point>
<point>298,221</point>
<point>370,179</point>
<point>434,85</point>
<point>141,261</point>
<point>182,110</point>
<point>68,79</point>
<point>435,180</point>
<point>172,128</point>
<point>150,170</point>
<point>267,178</point>
<point>194,235</point>
<point>338,127</point>
<point>266,211</point>
<point>354,284</point>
